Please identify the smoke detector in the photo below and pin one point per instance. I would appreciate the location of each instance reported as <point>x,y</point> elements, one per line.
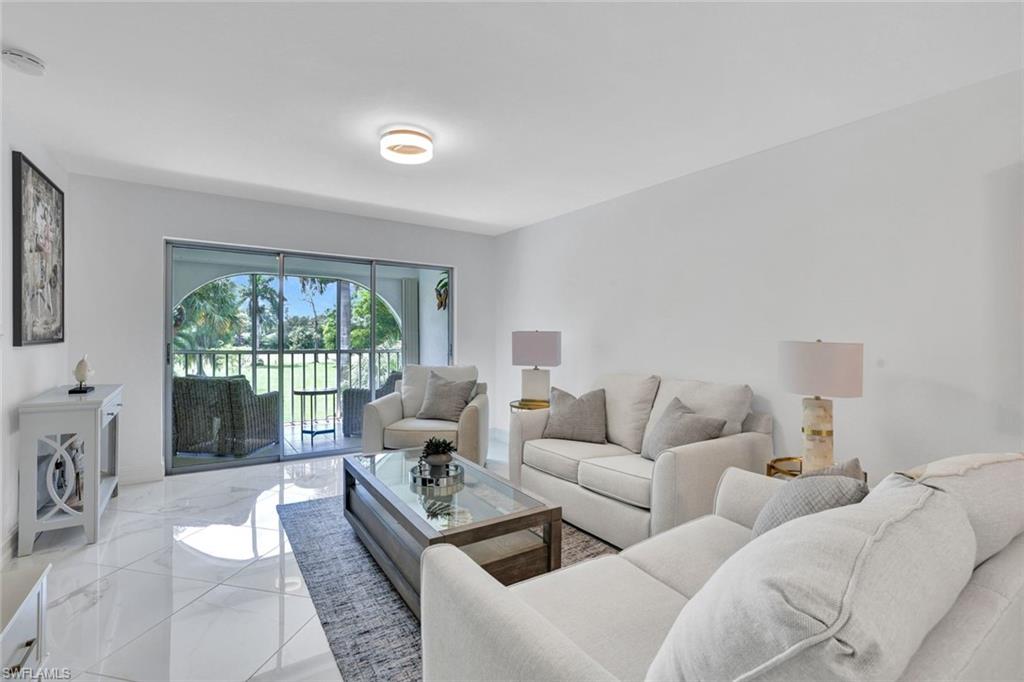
<point>22,61</point>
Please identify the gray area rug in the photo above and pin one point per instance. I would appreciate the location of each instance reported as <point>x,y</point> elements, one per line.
<point>372,633</point>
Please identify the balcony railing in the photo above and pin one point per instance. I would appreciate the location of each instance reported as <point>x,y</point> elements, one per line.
<point>316,368</point>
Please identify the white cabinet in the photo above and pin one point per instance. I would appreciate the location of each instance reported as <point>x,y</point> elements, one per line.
<point>55,427</point>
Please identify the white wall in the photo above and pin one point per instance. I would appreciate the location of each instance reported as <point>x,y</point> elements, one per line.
<point>28,370</point>
<point>901,231</point>
<point>116,266</point>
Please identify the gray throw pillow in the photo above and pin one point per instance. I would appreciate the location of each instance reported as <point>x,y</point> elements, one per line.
<point>678,425</point>
<point>581,419</point>
<point>803,496</point>
<point>850,467</point>
<point>445,399</point>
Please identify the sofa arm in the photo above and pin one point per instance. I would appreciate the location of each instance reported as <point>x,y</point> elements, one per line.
<point>741,495</point>
<point>523,426</point>
<point>377,416</point>
<point>685,478</point>
<point>473,430</point>
<point>474,628</point>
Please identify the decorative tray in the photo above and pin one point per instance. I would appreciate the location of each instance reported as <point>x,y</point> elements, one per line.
<point>444,479</point>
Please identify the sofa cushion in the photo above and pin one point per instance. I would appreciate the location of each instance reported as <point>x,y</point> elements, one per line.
<point>628,400</point>
<point>989,487</point>
<point>575,418</point>
<point>562,458</point>
<point>445,399</point>
<point>686,556</point>
<point>412,432</point>
<point>612,610</point>
<point>626,478</point>
<point>730,402</point>
<point>414,383</point>
<point>846,594</point>
<point>677,426</point>
<point>968,638</point>
<point>803,496</point>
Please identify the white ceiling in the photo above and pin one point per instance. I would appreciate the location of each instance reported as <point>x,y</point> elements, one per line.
<point>536,109</point>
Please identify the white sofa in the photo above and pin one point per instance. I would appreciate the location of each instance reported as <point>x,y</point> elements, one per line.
<point>390,422</point>
<point>910,594</point>
<point>608,489</point>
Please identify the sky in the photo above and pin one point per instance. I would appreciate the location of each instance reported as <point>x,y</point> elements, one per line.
<point>296,303</point>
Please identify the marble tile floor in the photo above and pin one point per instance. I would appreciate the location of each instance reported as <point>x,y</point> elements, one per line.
<point>296,444</point>
<point>192,579</point>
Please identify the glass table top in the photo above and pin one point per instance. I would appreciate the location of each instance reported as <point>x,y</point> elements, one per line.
<point>480,497</point>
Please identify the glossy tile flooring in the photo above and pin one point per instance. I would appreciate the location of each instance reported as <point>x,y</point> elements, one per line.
<point>192,579</point>
<point>296,444</point>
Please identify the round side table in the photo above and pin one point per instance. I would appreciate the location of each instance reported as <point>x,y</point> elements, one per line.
<point>784,467</point>
<point>789,467</point>
<point>527,405</point>
<point>312,431</point>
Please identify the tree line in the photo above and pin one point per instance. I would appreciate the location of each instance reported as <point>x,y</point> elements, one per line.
<point>223,314</point>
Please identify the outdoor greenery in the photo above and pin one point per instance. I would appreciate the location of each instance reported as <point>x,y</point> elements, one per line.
<point>217,316</point>
<point>389,330</point>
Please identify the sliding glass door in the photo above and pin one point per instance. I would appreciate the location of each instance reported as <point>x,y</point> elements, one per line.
<point>273,355</point>
<point>412,320</point>
<point>327,375</point>
<point>222,357</point>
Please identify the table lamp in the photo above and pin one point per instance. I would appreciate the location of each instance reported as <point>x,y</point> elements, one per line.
<point>822,370</point>
<point>536,349</point>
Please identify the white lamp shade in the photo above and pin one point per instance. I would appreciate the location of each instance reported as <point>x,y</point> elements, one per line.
<point>537,349</point>
<point>831,370</point>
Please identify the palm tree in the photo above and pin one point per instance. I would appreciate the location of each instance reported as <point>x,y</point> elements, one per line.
<point>312,287</point>
<point>208,317</point>
<point>263,289</point>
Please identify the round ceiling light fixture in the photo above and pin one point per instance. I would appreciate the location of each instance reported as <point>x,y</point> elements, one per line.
<point>407,145</point>
<point>22,61</point>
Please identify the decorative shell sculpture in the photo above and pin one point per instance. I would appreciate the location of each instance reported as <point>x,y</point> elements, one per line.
<point>83,370</point>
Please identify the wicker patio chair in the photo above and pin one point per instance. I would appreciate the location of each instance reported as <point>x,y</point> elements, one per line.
<point>198,405</point>
<point>254,418</point>
<point>222,416</point>
<point>354,399</point>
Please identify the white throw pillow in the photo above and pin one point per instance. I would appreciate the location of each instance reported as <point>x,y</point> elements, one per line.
<point>730,402</point>
<point>990,487</point>
<point>414,383</point>
<point>845,594</point>
<point>628,401</point>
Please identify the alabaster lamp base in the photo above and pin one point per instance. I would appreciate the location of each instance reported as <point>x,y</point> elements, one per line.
<point>817,430</point>
<point>536,386</point>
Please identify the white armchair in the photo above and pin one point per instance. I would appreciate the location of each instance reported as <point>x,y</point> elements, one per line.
<point>390,422</point>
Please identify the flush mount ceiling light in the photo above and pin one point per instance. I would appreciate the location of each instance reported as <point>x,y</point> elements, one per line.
<point>26,62</point>
<point>406,145</point>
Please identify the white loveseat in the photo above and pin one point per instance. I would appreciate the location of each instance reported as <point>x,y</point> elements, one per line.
<point>609,489</point>
<point>390,422</point>
<point>901,586</point>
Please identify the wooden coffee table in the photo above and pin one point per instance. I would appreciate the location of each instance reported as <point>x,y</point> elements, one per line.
<point>512,535</point>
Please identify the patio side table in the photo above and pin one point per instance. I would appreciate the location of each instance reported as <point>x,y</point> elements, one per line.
<point>312,431</point>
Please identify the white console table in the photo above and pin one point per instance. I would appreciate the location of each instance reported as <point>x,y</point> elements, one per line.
<point>52,425</point>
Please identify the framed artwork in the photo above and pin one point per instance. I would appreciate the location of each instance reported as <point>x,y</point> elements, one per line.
<point>38,255</point>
